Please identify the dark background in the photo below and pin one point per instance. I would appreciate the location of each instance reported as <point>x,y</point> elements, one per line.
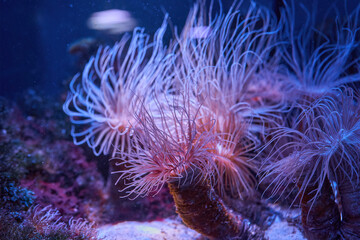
<point>35,35</point>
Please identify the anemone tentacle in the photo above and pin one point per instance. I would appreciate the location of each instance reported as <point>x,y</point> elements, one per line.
<point>318,62</point>
<point>101,105</point>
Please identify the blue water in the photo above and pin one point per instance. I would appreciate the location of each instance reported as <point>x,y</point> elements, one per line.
<point>35,35</point>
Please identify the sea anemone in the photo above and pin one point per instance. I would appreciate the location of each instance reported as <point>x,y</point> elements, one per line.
<point>220,71</point>
<point>166,149</point>
<point>179,152</point>
<point>101,106</point>
<point>233,55</point>
<point>234,144</point>
<point>325,132</point>
<point>214,75</point>
<point>317,148</point>
<point>194,116</point>
<point>202,134</point>
<point>317,61</point>
<point>319,154</point>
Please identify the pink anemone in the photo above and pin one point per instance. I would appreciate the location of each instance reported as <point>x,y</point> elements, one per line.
<point>104,98</point>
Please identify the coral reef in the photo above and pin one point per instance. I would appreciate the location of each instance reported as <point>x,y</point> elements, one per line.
<point>24,213</point>
<point>40,167</point>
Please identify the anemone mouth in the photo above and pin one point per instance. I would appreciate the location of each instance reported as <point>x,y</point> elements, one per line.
<point>120,127</point>
<point>121,122</point>
<point>233,172</point>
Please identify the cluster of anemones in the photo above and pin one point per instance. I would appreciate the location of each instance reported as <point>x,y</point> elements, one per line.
<point>232,96</point>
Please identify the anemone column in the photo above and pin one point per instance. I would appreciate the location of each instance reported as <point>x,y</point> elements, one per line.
<point>350,200</point>
<point>320,217</point>
<point>204,211</point>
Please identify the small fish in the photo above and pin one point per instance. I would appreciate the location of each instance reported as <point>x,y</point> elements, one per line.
<point>113,21</point>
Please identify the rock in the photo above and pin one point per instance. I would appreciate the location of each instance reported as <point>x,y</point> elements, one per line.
<point>281,230</point>
<point>167,229</point>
